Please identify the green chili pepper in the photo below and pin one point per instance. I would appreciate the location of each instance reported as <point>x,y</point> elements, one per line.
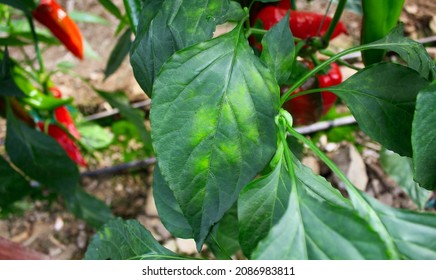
<point>38,100</point>
<point>34,97</point>
<point>379,17</point>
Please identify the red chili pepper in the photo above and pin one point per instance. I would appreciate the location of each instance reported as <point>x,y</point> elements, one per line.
<point>63,116</point>
<point>332,78</point>
<point>54,17</point>
<point>303,24</point>
<point>309,108</point>
<point>305,109</point>
<point>66,142</point>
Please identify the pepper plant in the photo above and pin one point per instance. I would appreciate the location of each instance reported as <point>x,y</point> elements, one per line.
<point>226,174</point>
<point>43,145</point>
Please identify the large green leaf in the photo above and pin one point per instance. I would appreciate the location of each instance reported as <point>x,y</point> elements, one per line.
<point>121,240</point>
<point>87,207</point>
<point>292,224</point>
<point>13,186</point>
<point>261,204</point>
<point>223,240</point>
<point>120,101</point>
<point>213,125</point>
<point>40,157</point>
<point>424,138</point>
<point>413,233</point>
<point>411,51</point>
<point>279,50</point>
<point>401,170</point>
<point>169,211</point>
<point>119,53</point>
<point>382,99</point>
<point>168,26</point>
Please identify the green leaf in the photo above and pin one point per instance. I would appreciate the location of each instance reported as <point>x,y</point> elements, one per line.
<point>24,5</point>
<point>79,16</point>
<point>168,26</point>
<point>122,240</point>
<point>213,125</point>
<point>279,50</point>
<point>406,234</point>
<point>133,11</point>
<point>120,101</point>
<point>318,187</point>
<point>382,99</point>
<point>87,207</point>
<point>413,233</point>
<point>411,51</point>
<point>40,157</point>
<point>287,222</point>
<point>119,53</point>
<point>235,13</point>
<point>401,170</point>
<point>13,186</point>
<point>111,8</point>
<point>261,204</point>
<point>13,41</point>
<point>424,138</point>
<point>169,211</point>
<point>93,136</point>
<point>223,240</point>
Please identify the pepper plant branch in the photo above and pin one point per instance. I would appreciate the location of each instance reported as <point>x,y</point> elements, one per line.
<point>293,5</point>
<point>338,13</point>
<point>309,91</point>
<point>318,68</point>
<point>36,43</point>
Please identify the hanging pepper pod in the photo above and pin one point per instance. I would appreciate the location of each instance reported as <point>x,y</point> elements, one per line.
<point>379,17</point>
<point>332,78</point>
<point>62,115</point>
<point>53,16</point>
<point>65,141</point>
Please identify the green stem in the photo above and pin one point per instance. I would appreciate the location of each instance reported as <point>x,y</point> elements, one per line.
<point>338,13</point>
<point>318,68</point>
<point>288,156</point>
<point>309,91</point>
<point>322,156</point>
<point>329,53</point>
<point>257,31</point>
<point>293,5</point>
<point>36,44</point>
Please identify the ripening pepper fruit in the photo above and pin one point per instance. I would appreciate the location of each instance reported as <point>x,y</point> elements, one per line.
<point>62,115</point>
<point>65,141</point>
<point>303,24</point>
<point>53,16</point>
<point>309,108</point>
<point>332,78</point>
